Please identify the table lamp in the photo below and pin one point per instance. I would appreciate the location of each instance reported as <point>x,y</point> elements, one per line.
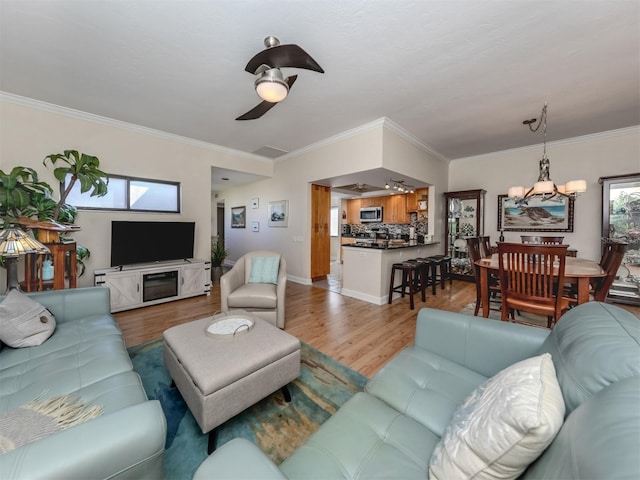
<point>13,243</point>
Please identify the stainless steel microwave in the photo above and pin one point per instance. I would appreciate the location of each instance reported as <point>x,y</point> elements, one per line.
<point>371,214</point>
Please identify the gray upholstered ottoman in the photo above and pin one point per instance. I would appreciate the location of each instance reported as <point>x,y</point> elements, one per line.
<point>220,376</point>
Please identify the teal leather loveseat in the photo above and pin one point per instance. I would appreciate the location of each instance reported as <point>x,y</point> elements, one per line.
<point>85,357</point>
<point>391,430</point>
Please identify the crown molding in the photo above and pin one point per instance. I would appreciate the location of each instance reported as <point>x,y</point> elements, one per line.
<point>398,130</point>
<point>635,129</point>
<point>334,139</point>
<point>130,127</point>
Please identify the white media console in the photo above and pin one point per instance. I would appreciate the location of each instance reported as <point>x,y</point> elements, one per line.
<point>151,283</point>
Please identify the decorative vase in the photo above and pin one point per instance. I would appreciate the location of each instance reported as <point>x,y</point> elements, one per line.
<point>47,270</point>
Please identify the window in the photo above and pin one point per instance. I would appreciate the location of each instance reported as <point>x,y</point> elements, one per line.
<point>333,227</point>
<point>134,194</point>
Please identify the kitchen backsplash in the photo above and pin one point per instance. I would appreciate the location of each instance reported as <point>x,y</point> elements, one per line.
<point>422,228</point>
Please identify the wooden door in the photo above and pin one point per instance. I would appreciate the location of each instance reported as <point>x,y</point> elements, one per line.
<point>320,232</point>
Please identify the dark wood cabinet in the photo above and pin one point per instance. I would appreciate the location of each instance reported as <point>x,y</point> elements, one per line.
<point>621,222</point>
<point>62,262</point>
<point>464,218</point>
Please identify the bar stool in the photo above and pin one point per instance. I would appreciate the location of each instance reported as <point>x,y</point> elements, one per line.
<point>409,271</point>
<point>428,273</point>
<point>421,277</point>
<point>442,263</point>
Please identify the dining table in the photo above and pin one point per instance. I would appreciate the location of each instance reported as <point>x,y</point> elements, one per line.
<point>577,270</point>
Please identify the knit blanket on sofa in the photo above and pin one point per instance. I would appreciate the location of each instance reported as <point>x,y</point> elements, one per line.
<point>38,419</point>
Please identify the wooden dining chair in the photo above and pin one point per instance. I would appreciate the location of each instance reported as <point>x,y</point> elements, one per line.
<point>612,255</point>
<point>474,248</point>
<point>486,250</point>
<point>541,239</point>
<point>531,279</point>
<point>610,262</point>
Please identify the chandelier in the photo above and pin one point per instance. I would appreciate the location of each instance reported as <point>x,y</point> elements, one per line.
<point>545,188</point>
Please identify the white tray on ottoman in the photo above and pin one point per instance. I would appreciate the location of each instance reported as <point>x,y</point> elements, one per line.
<point>220,375</point>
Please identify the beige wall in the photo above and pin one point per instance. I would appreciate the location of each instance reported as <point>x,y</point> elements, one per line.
<point>360,151</point>
<point>30,132</point>
<point>291,181</point>
<point>590,157</point>
<point>408,158</point>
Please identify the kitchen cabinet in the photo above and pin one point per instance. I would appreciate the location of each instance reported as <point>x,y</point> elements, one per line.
<point>621,222</point>
<point>418,200</point>
<point>396,211</point>
<point>370,201</point>
<point>464,218</point>
<point>353,210</point>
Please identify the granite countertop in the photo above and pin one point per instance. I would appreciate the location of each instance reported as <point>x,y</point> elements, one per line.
<point>391,245</point>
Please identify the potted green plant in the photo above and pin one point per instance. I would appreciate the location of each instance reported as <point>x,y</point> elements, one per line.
<point>218,253</point>
<point>19,190</point>
<point>24,198</point>
<point>77,167</point>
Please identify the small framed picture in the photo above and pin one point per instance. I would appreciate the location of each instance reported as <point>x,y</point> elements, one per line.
<point>255,226</point>
<point>255,203</point>
<point>238,217</point>
<point>279,213</point>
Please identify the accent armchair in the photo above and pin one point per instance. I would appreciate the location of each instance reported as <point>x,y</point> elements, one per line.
<point>256,284</point>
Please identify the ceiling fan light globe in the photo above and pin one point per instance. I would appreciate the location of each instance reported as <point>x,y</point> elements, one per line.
<point>271,87</point>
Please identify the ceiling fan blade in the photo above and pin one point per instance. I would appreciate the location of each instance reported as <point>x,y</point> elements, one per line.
<point>283,56</point>
<point>264,107</point>
<point>257,111</point>
<point>291,80</point>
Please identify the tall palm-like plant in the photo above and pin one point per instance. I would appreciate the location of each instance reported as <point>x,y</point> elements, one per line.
<point>17,191</point>
<point>77,167</point>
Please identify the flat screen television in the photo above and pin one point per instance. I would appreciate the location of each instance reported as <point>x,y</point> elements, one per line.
<point>147,242</point>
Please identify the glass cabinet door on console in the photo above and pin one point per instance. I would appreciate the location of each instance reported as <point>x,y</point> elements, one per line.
<point>621,222</point>
<point>464,218</point>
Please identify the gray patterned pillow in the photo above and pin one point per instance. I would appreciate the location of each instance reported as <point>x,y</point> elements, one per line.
<point>24,322</point>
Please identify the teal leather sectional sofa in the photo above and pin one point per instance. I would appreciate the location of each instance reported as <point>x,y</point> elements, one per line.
<point>391,429</point>
<point>86,357</point>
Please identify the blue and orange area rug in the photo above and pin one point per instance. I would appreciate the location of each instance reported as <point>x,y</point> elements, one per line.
<point>277,427</point>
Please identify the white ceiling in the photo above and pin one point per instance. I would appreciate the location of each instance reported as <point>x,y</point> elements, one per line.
<point>459,75</point>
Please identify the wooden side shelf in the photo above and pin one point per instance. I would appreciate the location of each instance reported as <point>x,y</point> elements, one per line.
<point>63,256</point>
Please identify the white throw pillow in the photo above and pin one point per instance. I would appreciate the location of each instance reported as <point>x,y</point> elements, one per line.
<point>23,321</point>
<point>503,426</point>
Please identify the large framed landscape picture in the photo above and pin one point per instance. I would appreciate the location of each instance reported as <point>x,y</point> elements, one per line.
<point>536,215</point>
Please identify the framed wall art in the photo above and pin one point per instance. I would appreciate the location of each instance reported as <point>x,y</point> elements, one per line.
<point>255,203</point>
<point>536,215</point>
<point>279,213</point>
<point>238,217</point>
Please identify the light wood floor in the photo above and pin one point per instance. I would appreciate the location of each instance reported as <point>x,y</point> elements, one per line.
<point>361,335</point>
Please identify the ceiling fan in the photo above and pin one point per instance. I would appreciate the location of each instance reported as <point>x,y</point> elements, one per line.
<point>270,84</point>
<point>358,187</point>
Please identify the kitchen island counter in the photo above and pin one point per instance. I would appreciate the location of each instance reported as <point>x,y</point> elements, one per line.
<point>366,270</point>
